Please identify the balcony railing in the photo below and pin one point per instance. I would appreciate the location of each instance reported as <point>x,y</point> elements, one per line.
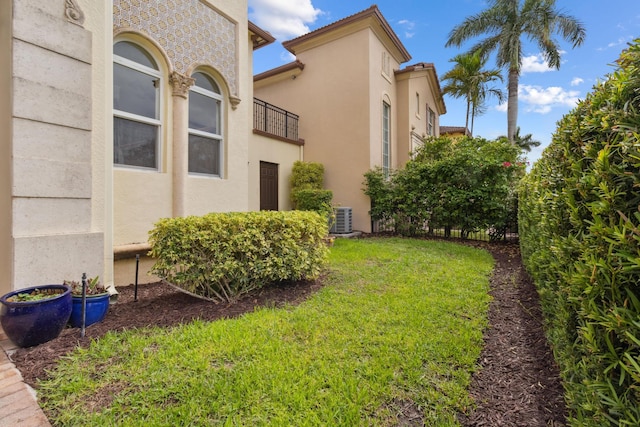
<point>275,121</point>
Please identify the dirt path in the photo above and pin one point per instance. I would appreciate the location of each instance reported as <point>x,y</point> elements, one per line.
<point>517,384</point>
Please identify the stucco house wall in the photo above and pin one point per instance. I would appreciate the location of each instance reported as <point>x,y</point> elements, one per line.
<point>419,95</point>
<point>64,207</point>
<point>343,74</point>
<point>184,37</point>
<point>282,153</point>
<point>52,226</point>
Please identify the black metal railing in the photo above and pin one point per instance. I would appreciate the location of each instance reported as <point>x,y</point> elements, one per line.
<point>508,234</point>
<point>274,120</point>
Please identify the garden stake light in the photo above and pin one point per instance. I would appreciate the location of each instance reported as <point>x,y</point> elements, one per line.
<point>135,287</point>
<point>84,303</point>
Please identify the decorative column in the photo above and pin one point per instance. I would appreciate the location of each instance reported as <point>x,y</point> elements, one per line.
<point>180,85</point>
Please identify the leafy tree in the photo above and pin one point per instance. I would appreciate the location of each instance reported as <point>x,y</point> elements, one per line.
<point>468,80</point>
<point>506,22</point>
<point>468,183</point>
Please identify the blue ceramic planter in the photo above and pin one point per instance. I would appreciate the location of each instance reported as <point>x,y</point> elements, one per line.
<point>29,323</point>
<point>97,307</point>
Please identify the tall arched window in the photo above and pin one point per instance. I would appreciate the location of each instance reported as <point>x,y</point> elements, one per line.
<point>386,138</point>
<point>205,126</point>
<point>136,107</point>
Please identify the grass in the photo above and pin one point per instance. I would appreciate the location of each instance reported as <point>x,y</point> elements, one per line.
<point>394,335</point>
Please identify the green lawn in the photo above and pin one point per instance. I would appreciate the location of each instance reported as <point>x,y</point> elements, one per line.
<point>395,333</point>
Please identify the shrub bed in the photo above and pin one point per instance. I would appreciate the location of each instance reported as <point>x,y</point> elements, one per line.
<point>579,224</point>
<point>466,183</point>
<point>221,256</point>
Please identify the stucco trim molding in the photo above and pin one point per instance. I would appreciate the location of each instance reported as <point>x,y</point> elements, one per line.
<point>234,101</point>
<point>73,12</point>
<point>180,84</point>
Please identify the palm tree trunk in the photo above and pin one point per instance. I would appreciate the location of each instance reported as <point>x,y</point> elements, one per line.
<point>473,119</point>
<point>466,123</point>
<point>512,105</point>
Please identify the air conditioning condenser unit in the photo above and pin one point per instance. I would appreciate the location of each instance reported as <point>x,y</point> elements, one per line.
<point>342,223</point>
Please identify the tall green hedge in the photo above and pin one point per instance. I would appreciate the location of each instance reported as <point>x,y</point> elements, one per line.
<point>579,222</point>
<point>307,194</point>
<point>221,256</point>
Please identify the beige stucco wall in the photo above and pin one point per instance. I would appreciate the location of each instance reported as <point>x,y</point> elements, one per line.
<point>414,119</point>
<point>140,198</point>
<point>284,154</point>
<point>339,97</point>
<point>6,239</point>
<point>98,20</point>
<point>53,236</point>
<point>332,96</point>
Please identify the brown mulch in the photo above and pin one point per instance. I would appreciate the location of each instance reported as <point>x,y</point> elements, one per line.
<point>517,383</point>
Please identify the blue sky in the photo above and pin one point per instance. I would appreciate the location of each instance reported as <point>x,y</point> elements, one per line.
<point>423,27</point>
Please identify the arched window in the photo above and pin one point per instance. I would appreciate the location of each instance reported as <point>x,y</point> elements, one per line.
<point>205,126</point>
<point>136,107</point>
<point>386,138</point>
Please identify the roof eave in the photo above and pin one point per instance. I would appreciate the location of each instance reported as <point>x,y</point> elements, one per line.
<point>372,12</point>
<point>260,37</point>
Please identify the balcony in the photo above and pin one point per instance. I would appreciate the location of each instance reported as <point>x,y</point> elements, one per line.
<point>274,122</point>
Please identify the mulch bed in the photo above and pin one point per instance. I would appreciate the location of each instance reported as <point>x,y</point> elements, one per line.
<point>517,383</point>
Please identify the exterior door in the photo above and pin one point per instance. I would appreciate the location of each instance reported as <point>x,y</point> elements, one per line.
<point>268,186</point>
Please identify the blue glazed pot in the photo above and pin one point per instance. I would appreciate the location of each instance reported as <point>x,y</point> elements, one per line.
<point>29,323</point>
<point>97,307</point>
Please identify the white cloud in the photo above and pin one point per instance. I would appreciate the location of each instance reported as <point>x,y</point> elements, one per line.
<point>542,100</point>
<point>576,81</point>
<point>287,56</point>
<point>284,19</point>
<point>536,63</point>
<point>619,42</point>
<point>408,27</point>
<point>538,99</point>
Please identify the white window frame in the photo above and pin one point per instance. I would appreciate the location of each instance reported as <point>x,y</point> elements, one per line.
<point>386,138</point>
<point>219,137</point>
<point>142,119</point>
<point>431,119</point>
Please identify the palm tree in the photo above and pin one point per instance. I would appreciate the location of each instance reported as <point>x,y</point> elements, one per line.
<point>525,142</point>
<point>468,80</point>
<point>506,22</point>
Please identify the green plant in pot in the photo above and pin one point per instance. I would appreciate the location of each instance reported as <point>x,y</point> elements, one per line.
<point>35,315</point>
<point>97,302</point>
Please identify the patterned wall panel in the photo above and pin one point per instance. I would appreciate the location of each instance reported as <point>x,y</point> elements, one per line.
<point>189,31</point>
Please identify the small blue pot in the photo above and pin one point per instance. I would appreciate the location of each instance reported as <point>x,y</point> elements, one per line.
<point>29,323</point>
<point>97,307</point>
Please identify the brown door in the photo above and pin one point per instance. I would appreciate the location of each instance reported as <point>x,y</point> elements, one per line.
<point>268,186</point>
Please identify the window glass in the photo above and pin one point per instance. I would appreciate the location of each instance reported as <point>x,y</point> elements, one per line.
<point>431,122</point>
<point>204,113</point>
<point>136,107</point>
<point>206,83</point>
<point>204,155</point>
<point>134,91</point>
<point>134,53</point>
<point>205,126</point>
<point>134,143</point>
<point>386,153</point>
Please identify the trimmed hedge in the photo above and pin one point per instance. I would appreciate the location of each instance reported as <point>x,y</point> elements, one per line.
<point>307,194</point>
<point>221,256</point>
<point>579,222</point>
